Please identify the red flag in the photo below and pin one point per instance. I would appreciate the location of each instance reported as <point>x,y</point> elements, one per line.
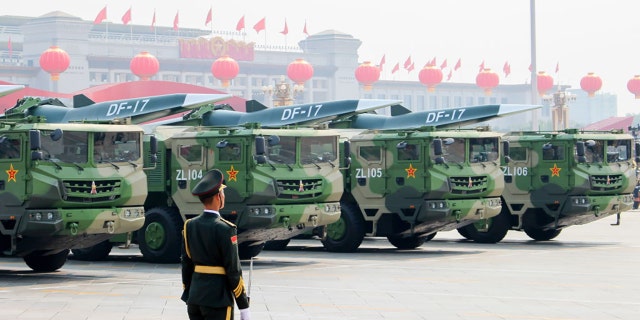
<point>450,74</point>
<point>481,66</point>
<point>176,21</point>
<point>240,24</point>
<point>209,17</point>
<point>458,64</point>
<point>407,62</point>
<point>101,16</point>
<point>443,64</point>
<point>126,18</point>
<point>153,21</point>
<point>305,29</point>
<point>506,68</point>
<point>411,67</point>
<point>557,67</point>
<point>432,62</point>
<point>382,61</point>
<point>285,31</point>
<point>261,25</point>
<point>396,68</point>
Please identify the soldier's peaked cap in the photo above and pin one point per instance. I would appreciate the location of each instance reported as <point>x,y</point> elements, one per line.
<point>212,182</point>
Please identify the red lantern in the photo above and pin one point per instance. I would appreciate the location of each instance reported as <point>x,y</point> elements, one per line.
<point>591,83</point>
<point>54,61</point>
<point>300,71</point>
<point>634,86</point>
<point>487,80</point>
<point>367,74</point>
<point>144,65</point>
<point>430,76</point>
<point>545,82</point>
<point>225,68</point>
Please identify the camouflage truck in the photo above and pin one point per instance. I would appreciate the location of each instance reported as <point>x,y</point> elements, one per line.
<point>558,179</point>
<point>67,186</point>
<point>406,185</point>
<point>280,183</point>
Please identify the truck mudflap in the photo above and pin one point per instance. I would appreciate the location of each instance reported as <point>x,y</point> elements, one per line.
<point>446,215</point>
<point>584,209</point>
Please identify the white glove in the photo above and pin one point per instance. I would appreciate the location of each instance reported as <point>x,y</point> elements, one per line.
<point>245,314</point>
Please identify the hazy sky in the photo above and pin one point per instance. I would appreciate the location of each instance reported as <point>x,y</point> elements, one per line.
<point>580,36</point>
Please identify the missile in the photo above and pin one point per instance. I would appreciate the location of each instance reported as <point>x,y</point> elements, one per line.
<point>302,114</point>
<point>402,118</point>
<point>138,109</point>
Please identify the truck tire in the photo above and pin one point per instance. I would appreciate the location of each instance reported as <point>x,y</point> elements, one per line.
<point>346,234</point>
<point>277,245</point>
<point>97,252</point>
<point>246,252</point>
<point>406,243</point>
<point>498,228</point>
<point>541,235</point>
<point>41,263</point>
<point>160,237</point>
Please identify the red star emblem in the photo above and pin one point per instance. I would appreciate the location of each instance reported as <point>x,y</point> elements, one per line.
<point>411,171</point>
<point>11,173</point>
<point>555,171</point>
<point>233,174</point>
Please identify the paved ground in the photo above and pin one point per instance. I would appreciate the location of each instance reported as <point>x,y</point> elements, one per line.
<point>588,272</point>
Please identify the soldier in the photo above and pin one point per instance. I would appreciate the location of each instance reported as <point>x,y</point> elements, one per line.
<point>211,272</point>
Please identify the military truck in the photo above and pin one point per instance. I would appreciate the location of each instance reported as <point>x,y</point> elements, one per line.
<point>406,185</point>
<point>67,186</point>
<point>558,179</point>
<point>280,183</point>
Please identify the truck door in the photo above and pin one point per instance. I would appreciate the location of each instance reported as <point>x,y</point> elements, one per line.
<point>368,170</point>
<point>518,172</point>
<point>188,168</point>
<point>229,157</point>
<point>553,171</point>
<point>406,167</point>
<point>13,171</point>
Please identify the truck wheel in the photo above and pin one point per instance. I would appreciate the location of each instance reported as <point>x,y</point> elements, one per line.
<point>246,252</point>
<point>346,234</point>
<point>498,228</point>
<point>97,252</point>
<point>41,263</point>
<point>160,237</point>
<point>542,235</point>
<point>277,245</point>
<point>405,243</point>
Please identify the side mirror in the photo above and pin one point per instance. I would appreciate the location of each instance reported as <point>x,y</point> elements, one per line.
<point>153,147</point>
<point>260,146</point>
<point>401,145</point>
<point>437,147</point>
<point>34,140</point>
<point>580,152</point>
<point>637,152</point>
<point>505,150</point>
<point>347,154</point>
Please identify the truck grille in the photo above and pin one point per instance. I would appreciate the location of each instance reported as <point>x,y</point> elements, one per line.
<point>606,182</point>
<point>299,189</point>
<point>468,185</point>
<point>91,190</point>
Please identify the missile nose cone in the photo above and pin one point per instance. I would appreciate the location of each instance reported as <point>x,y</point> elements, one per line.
<point>193,100</point>
<point>516,108</point>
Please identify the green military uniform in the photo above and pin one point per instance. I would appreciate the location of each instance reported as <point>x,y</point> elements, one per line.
<point>211,272</point>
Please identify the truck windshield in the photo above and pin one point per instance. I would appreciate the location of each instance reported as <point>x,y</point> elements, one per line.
<point>618,150</point>
<point>284,151</point>
<point>318,149</point>
<point>453,150</point>
<point>116,146</point>
<point>483,149</point>
<point>71,148</point>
